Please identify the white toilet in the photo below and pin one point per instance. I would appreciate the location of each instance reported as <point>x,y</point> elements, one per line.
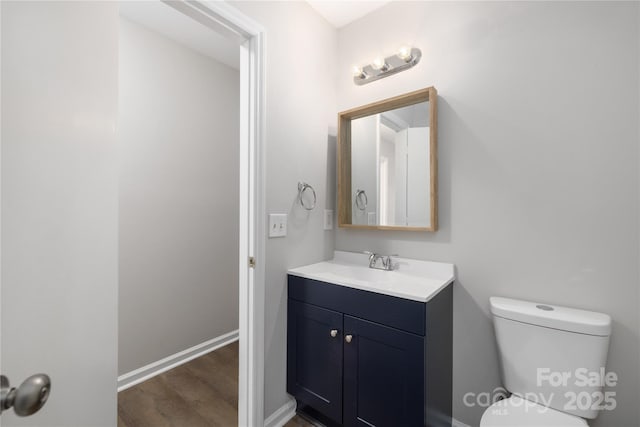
<point>552,361</point>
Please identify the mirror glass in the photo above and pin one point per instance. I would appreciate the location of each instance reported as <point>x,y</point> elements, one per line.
<point>391,182</point>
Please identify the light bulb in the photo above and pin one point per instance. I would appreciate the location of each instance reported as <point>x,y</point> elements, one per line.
<point>379,63</point>
<point>405,53</point>
<point>357,71</point>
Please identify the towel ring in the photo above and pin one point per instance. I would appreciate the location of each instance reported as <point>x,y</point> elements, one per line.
<point>360,203</point>
<point>302,187</point>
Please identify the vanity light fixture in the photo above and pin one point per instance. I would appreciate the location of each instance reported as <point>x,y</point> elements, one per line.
<point>406,58</point>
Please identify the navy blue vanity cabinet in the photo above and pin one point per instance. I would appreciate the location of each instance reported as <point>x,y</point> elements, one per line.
<point>359,358</point>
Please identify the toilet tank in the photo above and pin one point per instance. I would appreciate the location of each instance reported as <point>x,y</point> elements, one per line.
<point>553,355</point>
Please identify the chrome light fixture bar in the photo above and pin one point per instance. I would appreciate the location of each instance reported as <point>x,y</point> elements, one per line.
<point>380,68</point>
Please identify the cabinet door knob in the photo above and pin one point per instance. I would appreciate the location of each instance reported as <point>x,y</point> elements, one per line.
<point>348,338</point>
<point>334,333</point>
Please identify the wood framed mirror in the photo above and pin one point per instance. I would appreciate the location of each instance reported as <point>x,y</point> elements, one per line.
<point>388,164</point>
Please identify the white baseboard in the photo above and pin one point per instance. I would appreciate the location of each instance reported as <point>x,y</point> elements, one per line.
<point>456,423</point>
<point>151,370</point>
<point>281,415</point>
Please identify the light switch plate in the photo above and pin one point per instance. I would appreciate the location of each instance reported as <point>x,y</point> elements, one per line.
<point>328,219</point>
<point>277,225</point>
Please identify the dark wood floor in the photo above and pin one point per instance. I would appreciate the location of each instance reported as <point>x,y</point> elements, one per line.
<point>200,393</point>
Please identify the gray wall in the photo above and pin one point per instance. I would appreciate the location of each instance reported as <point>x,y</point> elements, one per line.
<point>300,140</point>
<point>179,185</point>
<point>538,189</point>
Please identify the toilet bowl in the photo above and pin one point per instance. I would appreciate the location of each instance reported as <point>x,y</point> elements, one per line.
<point>539,344</point>
<point>516,411</point>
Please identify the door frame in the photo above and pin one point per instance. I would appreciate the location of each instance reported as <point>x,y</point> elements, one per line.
<point>230,22</point>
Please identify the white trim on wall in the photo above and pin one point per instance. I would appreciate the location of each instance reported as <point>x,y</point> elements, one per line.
<point>156,368</point>
<point>456,423</point>
<point>281,415</point>
<point>229,21</point>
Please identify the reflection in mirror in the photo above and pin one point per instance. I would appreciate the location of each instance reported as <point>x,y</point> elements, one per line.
<point>390,167</point>
<point>388,164</point>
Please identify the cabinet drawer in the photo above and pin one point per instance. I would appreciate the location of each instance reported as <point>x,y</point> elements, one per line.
<point>399,313</point>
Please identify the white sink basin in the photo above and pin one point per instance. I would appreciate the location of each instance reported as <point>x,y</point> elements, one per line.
<point>412,279</point>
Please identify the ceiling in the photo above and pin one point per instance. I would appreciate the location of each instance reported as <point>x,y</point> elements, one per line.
<point>341,13</point>
<point>167,21</point>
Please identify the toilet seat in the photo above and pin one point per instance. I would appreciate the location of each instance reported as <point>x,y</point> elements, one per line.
<point>517,412</point>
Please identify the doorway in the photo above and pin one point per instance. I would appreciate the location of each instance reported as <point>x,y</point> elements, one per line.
<point>209,30</point>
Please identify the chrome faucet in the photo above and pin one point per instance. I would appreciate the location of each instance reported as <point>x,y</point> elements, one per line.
<point>386,260</point>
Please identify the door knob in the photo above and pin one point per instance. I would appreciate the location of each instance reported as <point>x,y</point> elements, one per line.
<point>334,333</point>
<point>28,398</point>
<point>348,338</point>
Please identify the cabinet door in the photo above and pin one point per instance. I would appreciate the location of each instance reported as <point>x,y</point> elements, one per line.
<point>314,358</point>
<point>383,375</point>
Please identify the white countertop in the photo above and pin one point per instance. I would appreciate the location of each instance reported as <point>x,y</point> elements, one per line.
<point>412,279</point>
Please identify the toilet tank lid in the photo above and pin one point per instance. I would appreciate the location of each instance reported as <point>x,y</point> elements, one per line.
<point>552,316</point>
